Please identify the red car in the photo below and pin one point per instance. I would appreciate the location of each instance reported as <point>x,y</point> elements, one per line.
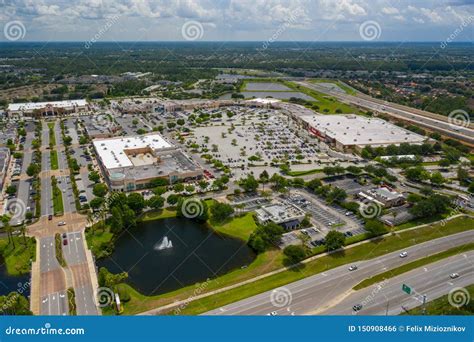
<point>65,242</point>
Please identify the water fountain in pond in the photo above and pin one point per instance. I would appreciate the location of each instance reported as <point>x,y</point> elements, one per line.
<point>164,244</point>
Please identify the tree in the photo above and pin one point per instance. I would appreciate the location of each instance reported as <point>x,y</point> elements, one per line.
<point>437,178</point>
<point>116,220</point>
<point>156,202</point>
<point>94,177</point>
<point>136,202</point>
<point>294,253</point>
<point>221,211</point>
<point>172,199</point>
<point>33,170</point>
<point>15,304</point>
<point>264,178</point>
<point>375,227</point>
<point>96,203</point>
<point>178,187</point>
<point>249,184</point>
<point>335,240</point>
<point>336,195</point>
<point>11,190</point>
<point>99,190</point>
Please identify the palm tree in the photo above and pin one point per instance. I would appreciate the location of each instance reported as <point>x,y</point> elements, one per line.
<point>8,228</point>
<point>23,232</point>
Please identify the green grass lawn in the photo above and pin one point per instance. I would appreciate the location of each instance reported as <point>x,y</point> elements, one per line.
<point>52,136</point>
<point>98,240</point>
<point>58,205</point>
<point>304,173</point>
<point>441,306</point>
<point>415,264</point>
<point>239,227</point>
<point>54,160</point>
<point>340,84</point>
<point>363,252</point>
<point>326,104</point>
<point>158,214</point>
<point>17,259</point>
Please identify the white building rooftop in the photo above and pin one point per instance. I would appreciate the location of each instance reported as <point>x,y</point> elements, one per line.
<point>30,106</point>
<point>111,151</point>
<point>358,130</point>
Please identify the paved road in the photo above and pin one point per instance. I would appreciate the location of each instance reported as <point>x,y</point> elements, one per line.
<point>46,197</point>
<point>432,281</point>
<point>74,253</point>
<point>456,131</point>
<point>53,285</point>
<point>322,291</point>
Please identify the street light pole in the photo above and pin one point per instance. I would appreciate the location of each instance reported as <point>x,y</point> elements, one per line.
<point>424,304</point>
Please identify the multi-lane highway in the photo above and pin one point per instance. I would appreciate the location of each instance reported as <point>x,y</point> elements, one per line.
<point>320,292</point>
<point>429,120</point>
<point>388,298</point>
<point>54,299</point>
<point>75,256</point>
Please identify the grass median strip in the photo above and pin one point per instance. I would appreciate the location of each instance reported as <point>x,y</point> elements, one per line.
<point>54,160</point>
<point>71,296</point>
<point>59,250</point>
<point>58,205</point>
<point>413,265</point>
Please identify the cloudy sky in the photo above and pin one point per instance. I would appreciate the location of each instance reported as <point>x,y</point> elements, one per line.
<point>262,20</point>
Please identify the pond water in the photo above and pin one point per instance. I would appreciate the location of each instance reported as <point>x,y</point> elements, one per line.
<point>10,283</point>
<point>281,95</point>
<point>167,254</point>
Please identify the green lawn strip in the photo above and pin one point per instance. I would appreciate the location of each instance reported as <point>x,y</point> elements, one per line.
<point>348,90</point>
<point>441,306</point>
<point>304,173</point>
<point>158,214</point>
<point>54,160</point>
<point>239,227</point>
<point>418,222</point>
<point>362,252</point>
<point>59,249</point>
<point>52,136</point>
<point>413,265</point>
<point>323,101</point>
<point>18,257</point>
<point>58,205</point>
<point>71,296</point>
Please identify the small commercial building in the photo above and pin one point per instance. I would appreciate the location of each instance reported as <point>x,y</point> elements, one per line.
<point>283,213</point>
<point>383,196</point>
<point>132,163</point>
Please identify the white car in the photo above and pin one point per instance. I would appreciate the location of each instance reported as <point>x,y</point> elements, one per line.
<point>62,223</point>
<point>454,275</point>
<point>353,268</point>
<point>403,254</point>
